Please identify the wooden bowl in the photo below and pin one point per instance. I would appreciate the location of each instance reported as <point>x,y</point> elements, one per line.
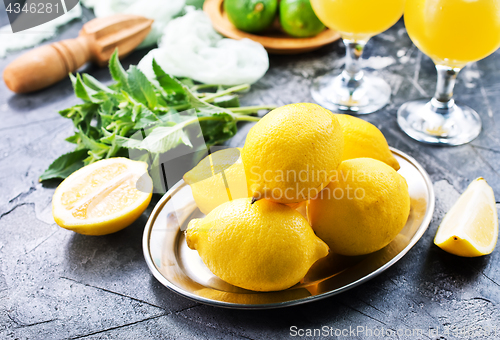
<point>273,39</point>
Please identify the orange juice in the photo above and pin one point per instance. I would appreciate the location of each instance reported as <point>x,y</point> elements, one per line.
<point>454,32</point>
<point>358,20</point>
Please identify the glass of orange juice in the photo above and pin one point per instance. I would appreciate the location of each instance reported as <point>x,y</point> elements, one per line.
<point>452,33</point>
<point>350,90</point>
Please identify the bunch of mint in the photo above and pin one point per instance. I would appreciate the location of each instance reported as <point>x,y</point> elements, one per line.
<point>111,115</point>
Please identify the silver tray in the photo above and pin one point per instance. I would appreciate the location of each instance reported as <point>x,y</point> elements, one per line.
<point>182,270</point>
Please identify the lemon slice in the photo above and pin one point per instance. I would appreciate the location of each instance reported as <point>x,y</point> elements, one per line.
<point>470,228</point>
<point>103,197</point>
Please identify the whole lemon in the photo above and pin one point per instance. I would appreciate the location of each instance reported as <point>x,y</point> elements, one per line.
<point>363,209</point>
<point>363,139</point>
<point>291,153</point>
<point>264,246</point>
<point>218,178</point>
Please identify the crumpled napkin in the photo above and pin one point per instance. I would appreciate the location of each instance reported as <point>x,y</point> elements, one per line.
<point>190,47</point>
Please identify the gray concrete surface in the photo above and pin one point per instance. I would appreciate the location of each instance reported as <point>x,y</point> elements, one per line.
<point>55,284</point>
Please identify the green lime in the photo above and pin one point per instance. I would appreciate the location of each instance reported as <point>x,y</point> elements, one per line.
<point>298,19</point>
<point>251,16</point>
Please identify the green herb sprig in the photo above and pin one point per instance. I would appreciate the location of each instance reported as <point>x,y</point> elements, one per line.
<point>111,115</point>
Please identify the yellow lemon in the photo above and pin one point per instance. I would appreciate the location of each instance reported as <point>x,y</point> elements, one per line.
<point>362,139</point>
<point>363,209</point>
<point>470,228</point>
<point>103,197</point>
<point>218,178</point>
<point>264,246</point>
<point>290,154</point>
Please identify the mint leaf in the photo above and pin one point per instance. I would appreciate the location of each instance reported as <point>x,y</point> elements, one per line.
<point>82,91</point>
<point>219,128</point>
<point>65,165</point>
<point>95,84</point>
<point>161,139</point>
<point>169,84</point>
<point>81,115</point>
<point>227,101</point>
<point>186,81</point>
<point>200,105</point>
<point>145,118</point>
<point>141,89</point>
<point>117,71</point>
<point>75,139</point>
<point>89,143</point>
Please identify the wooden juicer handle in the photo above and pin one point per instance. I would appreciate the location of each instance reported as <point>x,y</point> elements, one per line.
<point>48,64</point>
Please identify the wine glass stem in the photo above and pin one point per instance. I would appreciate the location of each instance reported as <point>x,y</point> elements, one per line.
<point>354,50</point>
<point>447,76</point>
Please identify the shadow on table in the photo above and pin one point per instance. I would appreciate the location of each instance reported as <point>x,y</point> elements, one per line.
<point>122,248</point>
<point>51,183</point>
<point>452,271</point>
<point>26,103</point>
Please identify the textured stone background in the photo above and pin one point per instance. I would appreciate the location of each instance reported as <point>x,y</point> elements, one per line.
<point>56,284</point>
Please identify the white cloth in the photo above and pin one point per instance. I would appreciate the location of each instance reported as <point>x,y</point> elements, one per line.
<point>190,47</point>
<point>17,41</point>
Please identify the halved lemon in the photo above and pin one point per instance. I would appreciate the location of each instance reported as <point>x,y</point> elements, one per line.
<point>470,228</point>
<point>103,197</point>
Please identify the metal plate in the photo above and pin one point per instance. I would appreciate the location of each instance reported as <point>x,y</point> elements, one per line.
<point>182,270</point>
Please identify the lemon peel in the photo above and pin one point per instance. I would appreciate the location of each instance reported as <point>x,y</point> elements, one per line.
<point>291,153</point>
<point>363,209</point>
<point>363,139</point>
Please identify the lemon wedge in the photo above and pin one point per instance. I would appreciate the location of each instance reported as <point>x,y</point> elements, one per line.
<point>470,228</point>
<point>103,197</point>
